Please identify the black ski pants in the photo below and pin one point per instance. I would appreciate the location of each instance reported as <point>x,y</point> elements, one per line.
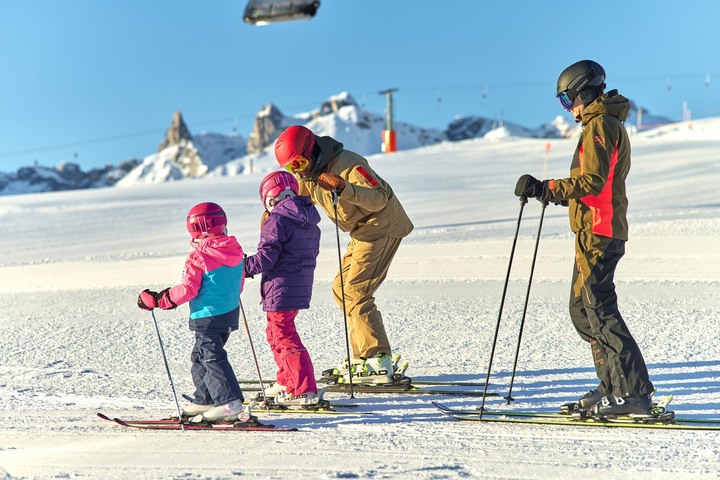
<point>619,364</point>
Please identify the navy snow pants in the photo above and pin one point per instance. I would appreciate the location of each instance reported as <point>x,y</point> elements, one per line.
<point>214,379</point>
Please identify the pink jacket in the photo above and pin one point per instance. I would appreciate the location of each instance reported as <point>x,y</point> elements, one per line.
<point>212,278</point>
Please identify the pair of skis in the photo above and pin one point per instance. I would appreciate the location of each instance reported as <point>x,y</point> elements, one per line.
<point>406,386</point>
<point>175,424</point>
<point>658,418</point>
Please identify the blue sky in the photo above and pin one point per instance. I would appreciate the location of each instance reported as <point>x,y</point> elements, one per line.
<point>97,81</point>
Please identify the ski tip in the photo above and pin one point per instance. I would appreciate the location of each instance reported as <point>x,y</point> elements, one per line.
<point>123,423</point>
<point>104,417</point>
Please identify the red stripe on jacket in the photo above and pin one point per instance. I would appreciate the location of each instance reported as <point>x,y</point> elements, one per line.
<point>371,180</point>
<point>601,205</point>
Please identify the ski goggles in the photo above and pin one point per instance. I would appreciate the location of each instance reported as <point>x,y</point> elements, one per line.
<point>565,100</point>
<point>298,165</point>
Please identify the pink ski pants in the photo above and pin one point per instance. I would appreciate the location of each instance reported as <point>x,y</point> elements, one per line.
<point>295,369</point>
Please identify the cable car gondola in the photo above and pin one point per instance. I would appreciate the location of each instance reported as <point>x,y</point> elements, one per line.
<point>264,12</point>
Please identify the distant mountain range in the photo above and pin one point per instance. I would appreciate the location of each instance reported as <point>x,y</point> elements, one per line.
<point>184,155</point>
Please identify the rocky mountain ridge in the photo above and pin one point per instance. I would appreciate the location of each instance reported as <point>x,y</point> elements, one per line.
<point>184,155</point>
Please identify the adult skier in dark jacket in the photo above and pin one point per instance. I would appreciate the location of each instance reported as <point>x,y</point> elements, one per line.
<point>596,196</point>
<point>286,257</point>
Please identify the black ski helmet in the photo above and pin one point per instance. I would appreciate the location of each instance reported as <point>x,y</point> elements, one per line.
<point>584,79</point>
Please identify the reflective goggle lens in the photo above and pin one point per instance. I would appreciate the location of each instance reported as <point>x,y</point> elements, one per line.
<point>565,100</point>
<point>297,165</point>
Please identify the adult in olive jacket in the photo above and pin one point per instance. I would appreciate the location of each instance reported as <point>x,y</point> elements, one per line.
<point>367,209</point>
<point>596,196</point>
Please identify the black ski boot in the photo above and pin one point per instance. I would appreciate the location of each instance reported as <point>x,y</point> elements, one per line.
<point>584,403</point>
<point>611,406</point>
<point>590,398</point>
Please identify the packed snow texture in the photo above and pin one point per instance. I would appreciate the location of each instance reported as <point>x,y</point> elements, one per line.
<point>75,342</point>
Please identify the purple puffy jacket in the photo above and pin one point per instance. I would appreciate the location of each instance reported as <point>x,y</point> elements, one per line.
<point>287,255</point>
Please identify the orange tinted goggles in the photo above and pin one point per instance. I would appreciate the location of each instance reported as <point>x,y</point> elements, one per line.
<point>298,165</point>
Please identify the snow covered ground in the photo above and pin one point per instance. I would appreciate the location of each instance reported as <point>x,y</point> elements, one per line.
<point>74,342</point>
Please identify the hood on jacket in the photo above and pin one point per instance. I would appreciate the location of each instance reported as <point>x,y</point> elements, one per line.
<point>611,103</point>
<point>329,149</point>
<point>224,249</point>
<point>298,209</point>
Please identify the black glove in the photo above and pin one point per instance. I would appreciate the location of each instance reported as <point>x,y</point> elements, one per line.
<point>529,186</point>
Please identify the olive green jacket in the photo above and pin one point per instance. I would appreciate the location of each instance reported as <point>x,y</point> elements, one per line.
<point>367,207</point>
<point>595,190</point>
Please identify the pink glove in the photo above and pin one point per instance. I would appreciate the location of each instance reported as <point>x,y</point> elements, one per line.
<point>147,300</point>
<point>164,301</point>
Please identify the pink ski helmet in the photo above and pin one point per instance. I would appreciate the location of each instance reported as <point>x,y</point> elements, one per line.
<point>277,186</point>
<point>205,219</point>
<point>293,142</point>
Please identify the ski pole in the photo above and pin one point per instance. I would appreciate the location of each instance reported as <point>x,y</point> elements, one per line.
<point>523,201</point>
<point>342,293</point>
<point>252,349</point>
<point>509,397</point>
<point>167,369</point>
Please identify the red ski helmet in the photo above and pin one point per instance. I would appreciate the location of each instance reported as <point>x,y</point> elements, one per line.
<point>277,186</point>
<point>206,218</point>
<point>293,142</point>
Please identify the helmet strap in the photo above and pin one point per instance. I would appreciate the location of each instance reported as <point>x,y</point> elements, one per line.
<point>591,94</point>
<point>315,154</point>
<point>271,202</point>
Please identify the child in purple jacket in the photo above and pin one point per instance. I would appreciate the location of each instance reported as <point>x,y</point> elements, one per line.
<point>286,257</point>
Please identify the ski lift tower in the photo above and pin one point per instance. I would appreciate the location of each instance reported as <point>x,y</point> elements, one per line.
<point>389,144</point>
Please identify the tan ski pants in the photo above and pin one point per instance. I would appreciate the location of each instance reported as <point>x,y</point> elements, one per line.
<point>364,267</point>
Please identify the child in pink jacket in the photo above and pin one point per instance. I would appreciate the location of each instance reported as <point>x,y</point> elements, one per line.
<point>212,280</point>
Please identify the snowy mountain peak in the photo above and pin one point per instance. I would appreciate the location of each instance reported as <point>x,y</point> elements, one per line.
<point>176,133</point>
<point>269,122</point>
<point>336,102</point>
